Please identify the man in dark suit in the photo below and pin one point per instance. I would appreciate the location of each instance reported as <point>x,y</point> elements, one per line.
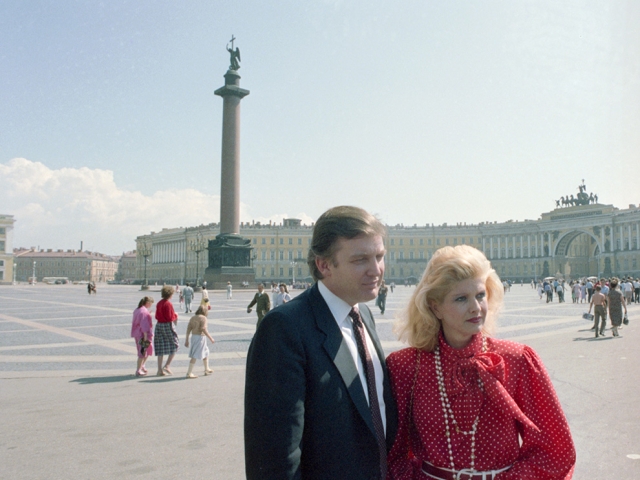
<point>318,403</point>
<point>262,302</point>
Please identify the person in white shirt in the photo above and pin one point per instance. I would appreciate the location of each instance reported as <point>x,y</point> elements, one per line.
<point>282,296</point>
<point>318,401</point>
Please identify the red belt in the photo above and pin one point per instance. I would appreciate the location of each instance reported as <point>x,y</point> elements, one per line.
<point>447,474</point>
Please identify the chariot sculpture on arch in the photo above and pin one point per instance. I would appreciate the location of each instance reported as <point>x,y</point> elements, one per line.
<point>234,61</point>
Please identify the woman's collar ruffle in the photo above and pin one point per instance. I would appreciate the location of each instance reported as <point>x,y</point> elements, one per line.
<point>490,368</point>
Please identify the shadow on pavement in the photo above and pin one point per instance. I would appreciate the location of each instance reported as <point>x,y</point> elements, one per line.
<point>592,339</point>
<point>113,379</point>
<point>167,378</point>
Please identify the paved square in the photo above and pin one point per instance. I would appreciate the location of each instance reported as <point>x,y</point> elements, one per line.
<point>71,407</point>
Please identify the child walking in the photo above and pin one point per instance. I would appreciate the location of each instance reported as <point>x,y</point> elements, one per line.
<point>197,328</point>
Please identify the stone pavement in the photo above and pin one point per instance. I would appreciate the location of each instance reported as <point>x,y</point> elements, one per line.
<point>71,407</point>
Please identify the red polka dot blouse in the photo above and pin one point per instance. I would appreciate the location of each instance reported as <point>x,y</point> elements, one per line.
<point>520,420</point>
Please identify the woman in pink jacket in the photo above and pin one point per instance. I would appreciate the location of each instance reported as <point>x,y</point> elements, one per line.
<point>142,331</point>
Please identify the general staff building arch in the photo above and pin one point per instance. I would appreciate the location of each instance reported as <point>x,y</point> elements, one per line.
<point>571,242</point>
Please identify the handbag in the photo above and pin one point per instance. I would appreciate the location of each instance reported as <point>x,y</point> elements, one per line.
<point>625,320</point>
<point>587,316</point>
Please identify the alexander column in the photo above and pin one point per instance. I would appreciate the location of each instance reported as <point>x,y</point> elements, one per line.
<point>229,253</point>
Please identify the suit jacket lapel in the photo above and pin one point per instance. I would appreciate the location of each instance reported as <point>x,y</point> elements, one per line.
<point>339,353</point>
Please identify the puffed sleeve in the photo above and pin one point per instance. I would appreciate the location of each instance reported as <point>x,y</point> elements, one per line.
<point>401,461</point>
<point>548,453</point>
<point>275,389</point>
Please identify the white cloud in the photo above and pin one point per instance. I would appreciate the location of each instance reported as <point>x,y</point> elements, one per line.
<point>60,208</point>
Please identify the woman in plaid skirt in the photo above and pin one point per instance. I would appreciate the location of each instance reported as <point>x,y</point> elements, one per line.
<point>165,340</point>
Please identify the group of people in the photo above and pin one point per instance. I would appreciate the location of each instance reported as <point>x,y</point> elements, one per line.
<point>548,287</point>
<point>323,402</point>
<point>608,297</point>
<point>163,339</point>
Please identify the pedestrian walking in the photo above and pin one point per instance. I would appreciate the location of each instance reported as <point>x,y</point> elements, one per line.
<point>199,350</point>
<point>381,300</point>
<point>262,302</point>
<point>165,341</point>
<point>282,297</point>
<point>229,291</point>
<point>599,304</point>
<point>187,293</point>
<point>142,333</point>
<point>617,303</point>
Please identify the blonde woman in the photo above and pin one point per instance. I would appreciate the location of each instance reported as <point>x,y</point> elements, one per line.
<point>469,405</point>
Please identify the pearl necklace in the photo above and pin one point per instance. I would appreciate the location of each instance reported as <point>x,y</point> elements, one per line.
<point>448,412</point>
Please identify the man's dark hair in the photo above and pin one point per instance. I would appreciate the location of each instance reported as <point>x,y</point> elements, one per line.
<point>339,222</point>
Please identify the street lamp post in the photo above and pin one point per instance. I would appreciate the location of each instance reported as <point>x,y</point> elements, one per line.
<point>198,245</point>
<point>146,252</point>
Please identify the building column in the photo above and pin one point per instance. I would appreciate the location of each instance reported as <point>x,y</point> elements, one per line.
<point>528,245</point>
<point>499,245</point>
<point>602,249</point>
<point>638,235</point>
<point>612,238</point>
<point>483,246</point>
<point>621,237</point>
<point>629,231</point>
<point>491,246</point>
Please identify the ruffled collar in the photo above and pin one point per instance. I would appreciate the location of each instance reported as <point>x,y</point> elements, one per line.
<point>462,368</point>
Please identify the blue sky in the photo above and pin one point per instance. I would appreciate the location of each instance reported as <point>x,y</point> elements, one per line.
<point>419,111</point>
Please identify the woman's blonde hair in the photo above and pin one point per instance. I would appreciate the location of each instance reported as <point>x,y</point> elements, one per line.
<point>417,325</point>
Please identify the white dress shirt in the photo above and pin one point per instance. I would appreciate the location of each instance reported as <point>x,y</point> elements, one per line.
<point>340,310</point>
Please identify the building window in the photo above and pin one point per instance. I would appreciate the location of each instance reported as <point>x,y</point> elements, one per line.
<point>264,241</point>
<point>437,241</point>
<point>393,255</point>
<point>402,241</point>
<point>470,240</point>
<point>290,241</point>
<point>290,254</point>
<point>429,242</point>
<point>299,241</point>
<point>411,255</point>
<point>393,241</point>
<point>255,241</point>
<point>2,230</point>
<point>411,241</point>
<point>281,271</point>
<point>273,256</point>
<point>455,241</point>
<point>264,256</point>
<point>282,241</point>
<point>446,241</point>
<point>422,241</point>
<point>281,255</point>
<point>421,254</point>
<point>462,240</point>
<point>272,271</point>
<point>1,245</point>
<point>273,241</point>
<point>401,255</point>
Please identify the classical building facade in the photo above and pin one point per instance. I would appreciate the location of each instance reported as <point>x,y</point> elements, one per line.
<point>570,242</point>
<point>6,248</point>
<point>77,266</point>
<point>126,267</point>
